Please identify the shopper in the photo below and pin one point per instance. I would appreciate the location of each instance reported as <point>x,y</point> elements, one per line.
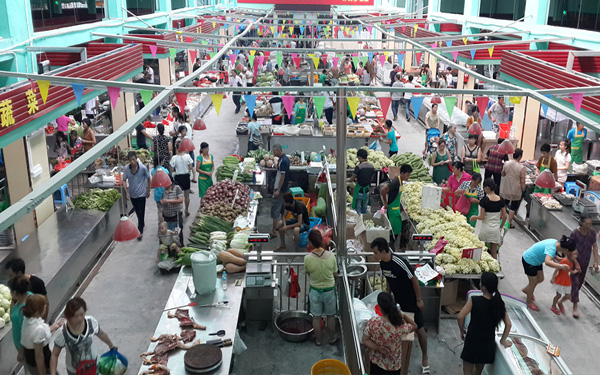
<point>539,254</point>
<point>390,138</point>
<point>432,118</point>
<point>171,201</point>
<point>408,97</point>
<point>321,266</point>
<point>298,224</point>
<point>360,71</point>
<point>441,163</point>
<point>19,291</point>
<point>471,155</point>
<point>158,191</point>
<point>512,184</point>
<point>487,311</point>
<point>335,75</point>
<point>137,180</point>
<point>205,166</point>
<point>450,138</point>
<point>92,107</point>
<point>299,111</point>
<point>63,122</point>
<point>576,136</point>
<point>384,335</point>
<point>391,194</point>
<point>280,187</point>
<point>585,241</point>
<point>492,213</point>
<point>61,147</point>
<point>442,84</point>
<point>495,163</point>
<point>148,74</point>
<point>474,192</point>
<point>36,335</point>
<point>368,74</point>
<point>141,135</point>
<point>16,267</point>
<point>546,162</point>
<point>328,106</point>
<point>396,95</point>
<point>235,81</point>
<point>162,147</point>
<point>563,160</point>
<point>562,284</point>
<point>456,179</point>
<point>77,337</point>
<point>405,287</point>
<point>89,139</point>
<point>182,165</point>
<point>254,137</point>
<point>499,114</point>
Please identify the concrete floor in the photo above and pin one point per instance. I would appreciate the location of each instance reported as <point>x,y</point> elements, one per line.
<point>128,293</point>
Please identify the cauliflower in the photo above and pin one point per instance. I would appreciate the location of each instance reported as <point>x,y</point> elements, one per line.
<point>2,323</point>
<point>6,317</point>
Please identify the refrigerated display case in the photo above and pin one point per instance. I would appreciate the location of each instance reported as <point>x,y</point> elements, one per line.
<point>528,355</point>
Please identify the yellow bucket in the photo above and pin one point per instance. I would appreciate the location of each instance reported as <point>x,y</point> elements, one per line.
<point>330,367</point>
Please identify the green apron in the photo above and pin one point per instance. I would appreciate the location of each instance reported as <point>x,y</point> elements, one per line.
<point>543,168</point>
<point>204,181</point>
<point>357,190</point>
<point>300,114</point>
<point>577,147</point>
<point>474,209</point>
<point>395,213</point>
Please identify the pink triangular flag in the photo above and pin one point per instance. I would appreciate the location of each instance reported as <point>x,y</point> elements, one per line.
<point>370,28</point>
<point>232,58</point>
<point>418,56</point>
<point>455,55</point>
<point>288,103</point>
<point>385,102</point>
<point>382,59</point>
<point>294,55</point>
<point>403,29</point>
<point>577,98</point>
<point>193,53</point>
<point>336,61</point>
<point>433,45</point>
<point>113,93</point>
<point>296,61</point>
<point>261,59</point>
<point>153,50</point>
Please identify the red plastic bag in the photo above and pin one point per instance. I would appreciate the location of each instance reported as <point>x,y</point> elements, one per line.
<point>463,205</point>
<point>327,234</point>
<point>439,246</point>
<point>294,285</point>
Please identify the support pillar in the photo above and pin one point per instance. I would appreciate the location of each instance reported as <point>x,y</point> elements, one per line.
<point>39,156</point>
<point>470,85</point>
<point>119,117</point>
<point>164,71</point>
<point>472,8</point>
<point>519,120</point>
<point>340,177</point>
<point>532,119</point>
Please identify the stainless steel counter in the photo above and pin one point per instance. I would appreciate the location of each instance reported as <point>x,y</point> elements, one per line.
<point>213,318</point>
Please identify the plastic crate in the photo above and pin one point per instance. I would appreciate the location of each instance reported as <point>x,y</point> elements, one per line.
<point>314,221</point>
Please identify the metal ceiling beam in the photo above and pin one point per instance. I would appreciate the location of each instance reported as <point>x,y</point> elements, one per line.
<point>491,44</point>
<point>461,36</point>
<point>184,33</point>
<point>81,50</point>
<point>572,54</point>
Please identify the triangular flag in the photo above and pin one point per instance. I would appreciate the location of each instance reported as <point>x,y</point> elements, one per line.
<point>545,106</point>
<point>113,93</point>
<point>473,54</point>
<point>146,96</point>
<point>252,52</point>
<point>482,102</point>
<point>173,52</point>
<point>577,98</point>
<point>336,61</point>
<point>382,60</point>
<point>416,27</point>
<point>450,102</point>
<point>297,61</point>
<point>291,29</point>
<point>515,99</point>
<point>316,62</point>
<point>261,59</point>
<point>365,59</point>
<point>189,39</point>
<point>324,58</point>
<point>465,41</point>
<point>302,30</point>
<point>319,103</point>
<point>192,53</point>
<point>294,55</point>
<point>212,54</point>
<point>43,86</point>
<point>267,53</point>
<point>355,61</point>
<point>454,55</point>
<point>181,100</point>
<point>370,29</point>
<point>214,25</point>
<point>288,103</point>
<point>491,51</point>
<point>251,59</point>
<point>217,99</point>
<point>153,50</point>
<point>448,43</point>
<point>417,102</point>
<point>353,104</point>
<point>273,29</point>
<point>232,57</point>
<point>279,59</point>
<point>370,56</point>
<point>78,91</point>
<point>250,103</point>
<point>403,29</point>
<point>433,45</point>
<point>385,102</point>
<point>418,57</point>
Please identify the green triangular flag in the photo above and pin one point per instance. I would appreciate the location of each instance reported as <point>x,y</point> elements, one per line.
<point>355,61</point>
<point>340,55</point>
<point>280,59</point>
<point>251,60</point>
<point>204,42</point>
<point>365,59</point>
<point>450,102</point>
<point>146,96</point>
<point>212,54</point>
<point>319,103</point>
<point>173,51</point>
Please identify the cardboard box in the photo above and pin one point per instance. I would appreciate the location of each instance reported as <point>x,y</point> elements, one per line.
<point>449,292</point>
<point>351,226</point>
<point>372,234</point>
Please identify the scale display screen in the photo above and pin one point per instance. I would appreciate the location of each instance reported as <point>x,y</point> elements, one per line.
<point>254,238</point>
<point>422,237</point>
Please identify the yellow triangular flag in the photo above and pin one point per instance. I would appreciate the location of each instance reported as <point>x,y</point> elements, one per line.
<point>252,52</point>
<point>43,85</point>
<point>217,100</point>
<point>316,62</point>
<point>291,29</point>
<point>416,27</point>
<point>214,25</point>
<point>198,30</point>
<point>465,41</point>
<point>296,22</point>
<point>491,51</point>
<point>386,53</point>
<point>353,103</point>
<point>273,29</point>
<point>311,55</point>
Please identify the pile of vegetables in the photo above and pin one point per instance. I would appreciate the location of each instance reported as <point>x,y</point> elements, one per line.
<point>142,154</point>
<point>376,158</point>
<point>259,154</point>
<point>225,172</point>
<point>208,224</point>
<point>370,225</point>
<point>420,171</point>
<point>97,199</point>
<point>231,160</point>
<point>5,300</point>
<point>232,260</point>
<point>268,161</point>
<point>219,198</point>
<point>453,227</point>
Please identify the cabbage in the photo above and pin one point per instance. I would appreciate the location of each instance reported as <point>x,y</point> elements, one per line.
<point>5,304</point>
<point>5,292</point>
<point>2,311</point>
<point>2,323</point>
<point>6,317</point>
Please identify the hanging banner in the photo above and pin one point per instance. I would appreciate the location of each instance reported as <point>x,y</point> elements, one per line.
<point>353,104</point>
<point>454,55</point>
<point>577,98</point>
<point>250,103</point>
<point>515,99</point>
<point>400,58</point>
<point>465,41</point>
<point>113,93</point>
<point>473,54</point>
<point>173,52</point>
<point>355,61</point>
<point>450,102</point>
<point>418,57</point>
<point>297,61</point>
<point>153,50</point>
<point>43,86</point>
<point>279,59</point>
<point>261,59</point>
<point>181,100</point>
<point>336,61</point>
<point>217,100</point>
<point>382,60</point>
<point>316,62</point>
<point>251,59</point>
<point>385,102</point>
<point>370,56</point>
<point>448,43</point>
<point>78,91</point>
<point>192,53</point>
<point>417,102</point>
<point>545,106</point>
<point>146,96</point>
<point>319,104</point>
<point>491,51</point>
<point>482,102</point>
<point>232,58</point>
<point>288,103</point>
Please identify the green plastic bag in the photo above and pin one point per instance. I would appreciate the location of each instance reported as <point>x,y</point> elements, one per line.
<point>112,363</point>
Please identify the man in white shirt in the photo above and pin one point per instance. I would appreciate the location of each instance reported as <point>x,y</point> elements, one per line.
<point>92,107</point>
<point>148,74</point>
<point>408,96</point>
<point>449,77</point>
<point>293,44</point>
<point>396,96</point>
<point>499,114</point>
<point>236,81</point>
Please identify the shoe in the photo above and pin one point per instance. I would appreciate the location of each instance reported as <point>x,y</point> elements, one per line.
<point>576,314</point>
<point>533,307</point>
<point>334,340</point>
<point>425,370</point>
<point>562,308</point>
<point>555,311</point>
<point>395,118</point>
<point>140,237</point>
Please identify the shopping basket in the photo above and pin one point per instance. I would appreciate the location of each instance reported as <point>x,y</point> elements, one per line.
<point>330,367</point>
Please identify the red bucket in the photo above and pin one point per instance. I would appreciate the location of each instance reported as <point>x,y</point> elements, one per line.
<point>504,131</point>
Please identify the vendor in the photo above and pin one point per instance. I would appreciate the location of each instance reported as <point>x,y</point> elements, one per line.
<point>475,118</point>
<point>363,173</point>
<point>335,75</point>
<point>512,184</point>
<point>576,136</point>
<point>323,76</point>
<point>474,192</point>
<point>299,111</point>
<point>300,222</point>
<point>89,139</point>
<point>205,167</point>
<point>563,160</point>
<point>546,162</point>
<point>141,134</point>
<point>390,197</point>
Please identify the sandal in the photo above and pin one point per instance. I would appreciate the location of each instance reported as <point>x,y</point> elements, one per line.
<point>576,314</point>
<point>425,370</point>
<point>562,308</point>
<point>555,311</point>
<point>533,307</point>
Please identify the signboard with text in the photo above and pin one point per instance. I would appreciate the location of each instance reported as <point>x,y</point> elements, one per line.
<point>312,2</point>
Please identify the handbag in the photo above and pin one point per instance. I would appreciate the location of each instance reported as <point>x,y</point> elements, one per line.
<point>87,367</point>
<point>476,168</point>
<point>257,140</point>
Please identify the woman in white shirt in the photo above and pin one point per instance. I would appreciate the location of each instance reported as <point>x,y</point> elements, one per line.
<point>35,336</point>
<point>182,165</point>
<point>563,160</point>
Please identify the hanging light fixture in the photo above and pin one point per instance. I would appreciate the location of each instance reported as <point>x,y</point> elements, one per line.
<point>186,145</point>
<point>475,129</point>
<point>545,180</point>
<point>436,100</point>
<point>126,230</point>
<point>506,147</point>
<point>160,179</point>
<point>199,124</point>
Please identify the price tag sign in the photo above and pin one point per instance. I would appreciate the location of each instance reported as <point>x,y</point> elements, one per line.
<point>474,254</point>
<point>553,350</point>
<point>235,174</point>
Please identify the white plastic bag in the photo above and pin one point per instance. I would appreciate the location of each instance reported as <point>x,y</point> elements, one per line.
<point>522,211</point>
<point>238,345</point>
<point>375,146</point>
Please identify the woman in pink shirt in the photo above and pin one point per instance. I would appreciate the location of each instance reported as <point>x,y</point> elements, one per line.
<point>456,179</point>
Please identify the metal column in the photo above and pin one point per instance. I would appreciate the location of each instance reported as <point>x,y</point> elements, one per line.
<point>340,174</point>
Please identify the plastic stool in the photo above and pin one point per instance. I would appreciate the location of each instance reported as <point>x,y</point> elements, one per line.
<point>571,188</point>
<point>297,192</point>
<point>61,195</point>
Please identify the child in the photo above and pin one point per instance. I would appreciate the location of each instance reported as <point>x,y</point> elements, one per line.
<point>76,141</point>
<point>169,243</point>
<point>562,284</point>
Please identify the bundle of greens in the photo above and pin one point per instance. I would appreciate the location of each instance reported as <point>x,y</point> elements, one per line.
<point>97,199</point>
